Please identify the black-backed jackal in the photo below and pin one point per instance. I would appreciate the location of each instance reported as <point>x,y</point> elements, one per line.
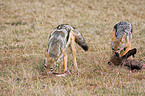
<point>59,40</point>
<point>121,38</point>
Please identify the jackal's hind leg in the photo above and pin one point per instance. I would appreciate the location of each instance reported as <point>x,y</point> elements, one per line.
<point>74,51</point>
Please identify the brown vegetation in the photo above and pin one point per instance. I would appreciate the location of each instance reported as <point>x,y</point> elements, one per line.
<point>25,26</point>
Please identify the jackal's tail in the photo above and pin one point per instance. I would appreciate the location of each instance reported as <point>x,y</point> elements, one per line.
<point>79,39</point>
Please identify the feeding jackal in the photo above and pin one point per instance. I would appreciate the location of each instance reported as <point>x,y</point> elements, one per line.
<point>121,38</point>
<point>59,40</point>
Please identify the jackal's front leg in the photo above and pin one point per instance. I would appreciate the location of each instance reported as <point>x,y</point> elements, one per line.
<point>127,48</point>
<point>65,62</point>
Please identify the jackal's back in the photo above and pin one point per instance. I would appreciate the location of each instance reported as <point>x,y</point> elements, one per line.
<point>121,28</point>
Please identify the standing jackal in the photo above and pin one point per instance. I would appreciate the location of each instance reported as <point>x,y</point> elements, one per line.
<point>59,40</point>
<point>121,38</point>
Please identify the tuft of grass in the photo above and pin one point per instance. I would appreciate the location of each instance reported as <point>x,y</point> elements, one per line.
<point>25,26</point>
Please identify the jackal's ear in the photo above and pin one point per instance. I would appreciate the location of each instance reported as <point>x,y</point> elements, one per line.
<point>46,54</point>
<point>113,35</point>
<point>123,37</point>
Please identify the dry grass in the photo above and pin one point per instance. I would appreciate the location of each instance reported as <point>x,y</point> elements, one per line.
<point>24,29</point>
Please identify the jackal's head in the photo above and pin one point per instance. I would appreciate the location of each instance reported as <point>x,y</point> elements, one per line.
<point>50,63</point>
<point>118,45</point>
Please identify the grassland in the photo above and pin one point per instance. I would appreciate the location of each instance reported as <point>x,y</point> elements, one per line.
<point>25,26</point>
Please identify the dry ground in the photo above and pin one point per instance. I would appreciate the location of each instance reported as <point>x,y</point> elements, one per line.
<point>25,26</point>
